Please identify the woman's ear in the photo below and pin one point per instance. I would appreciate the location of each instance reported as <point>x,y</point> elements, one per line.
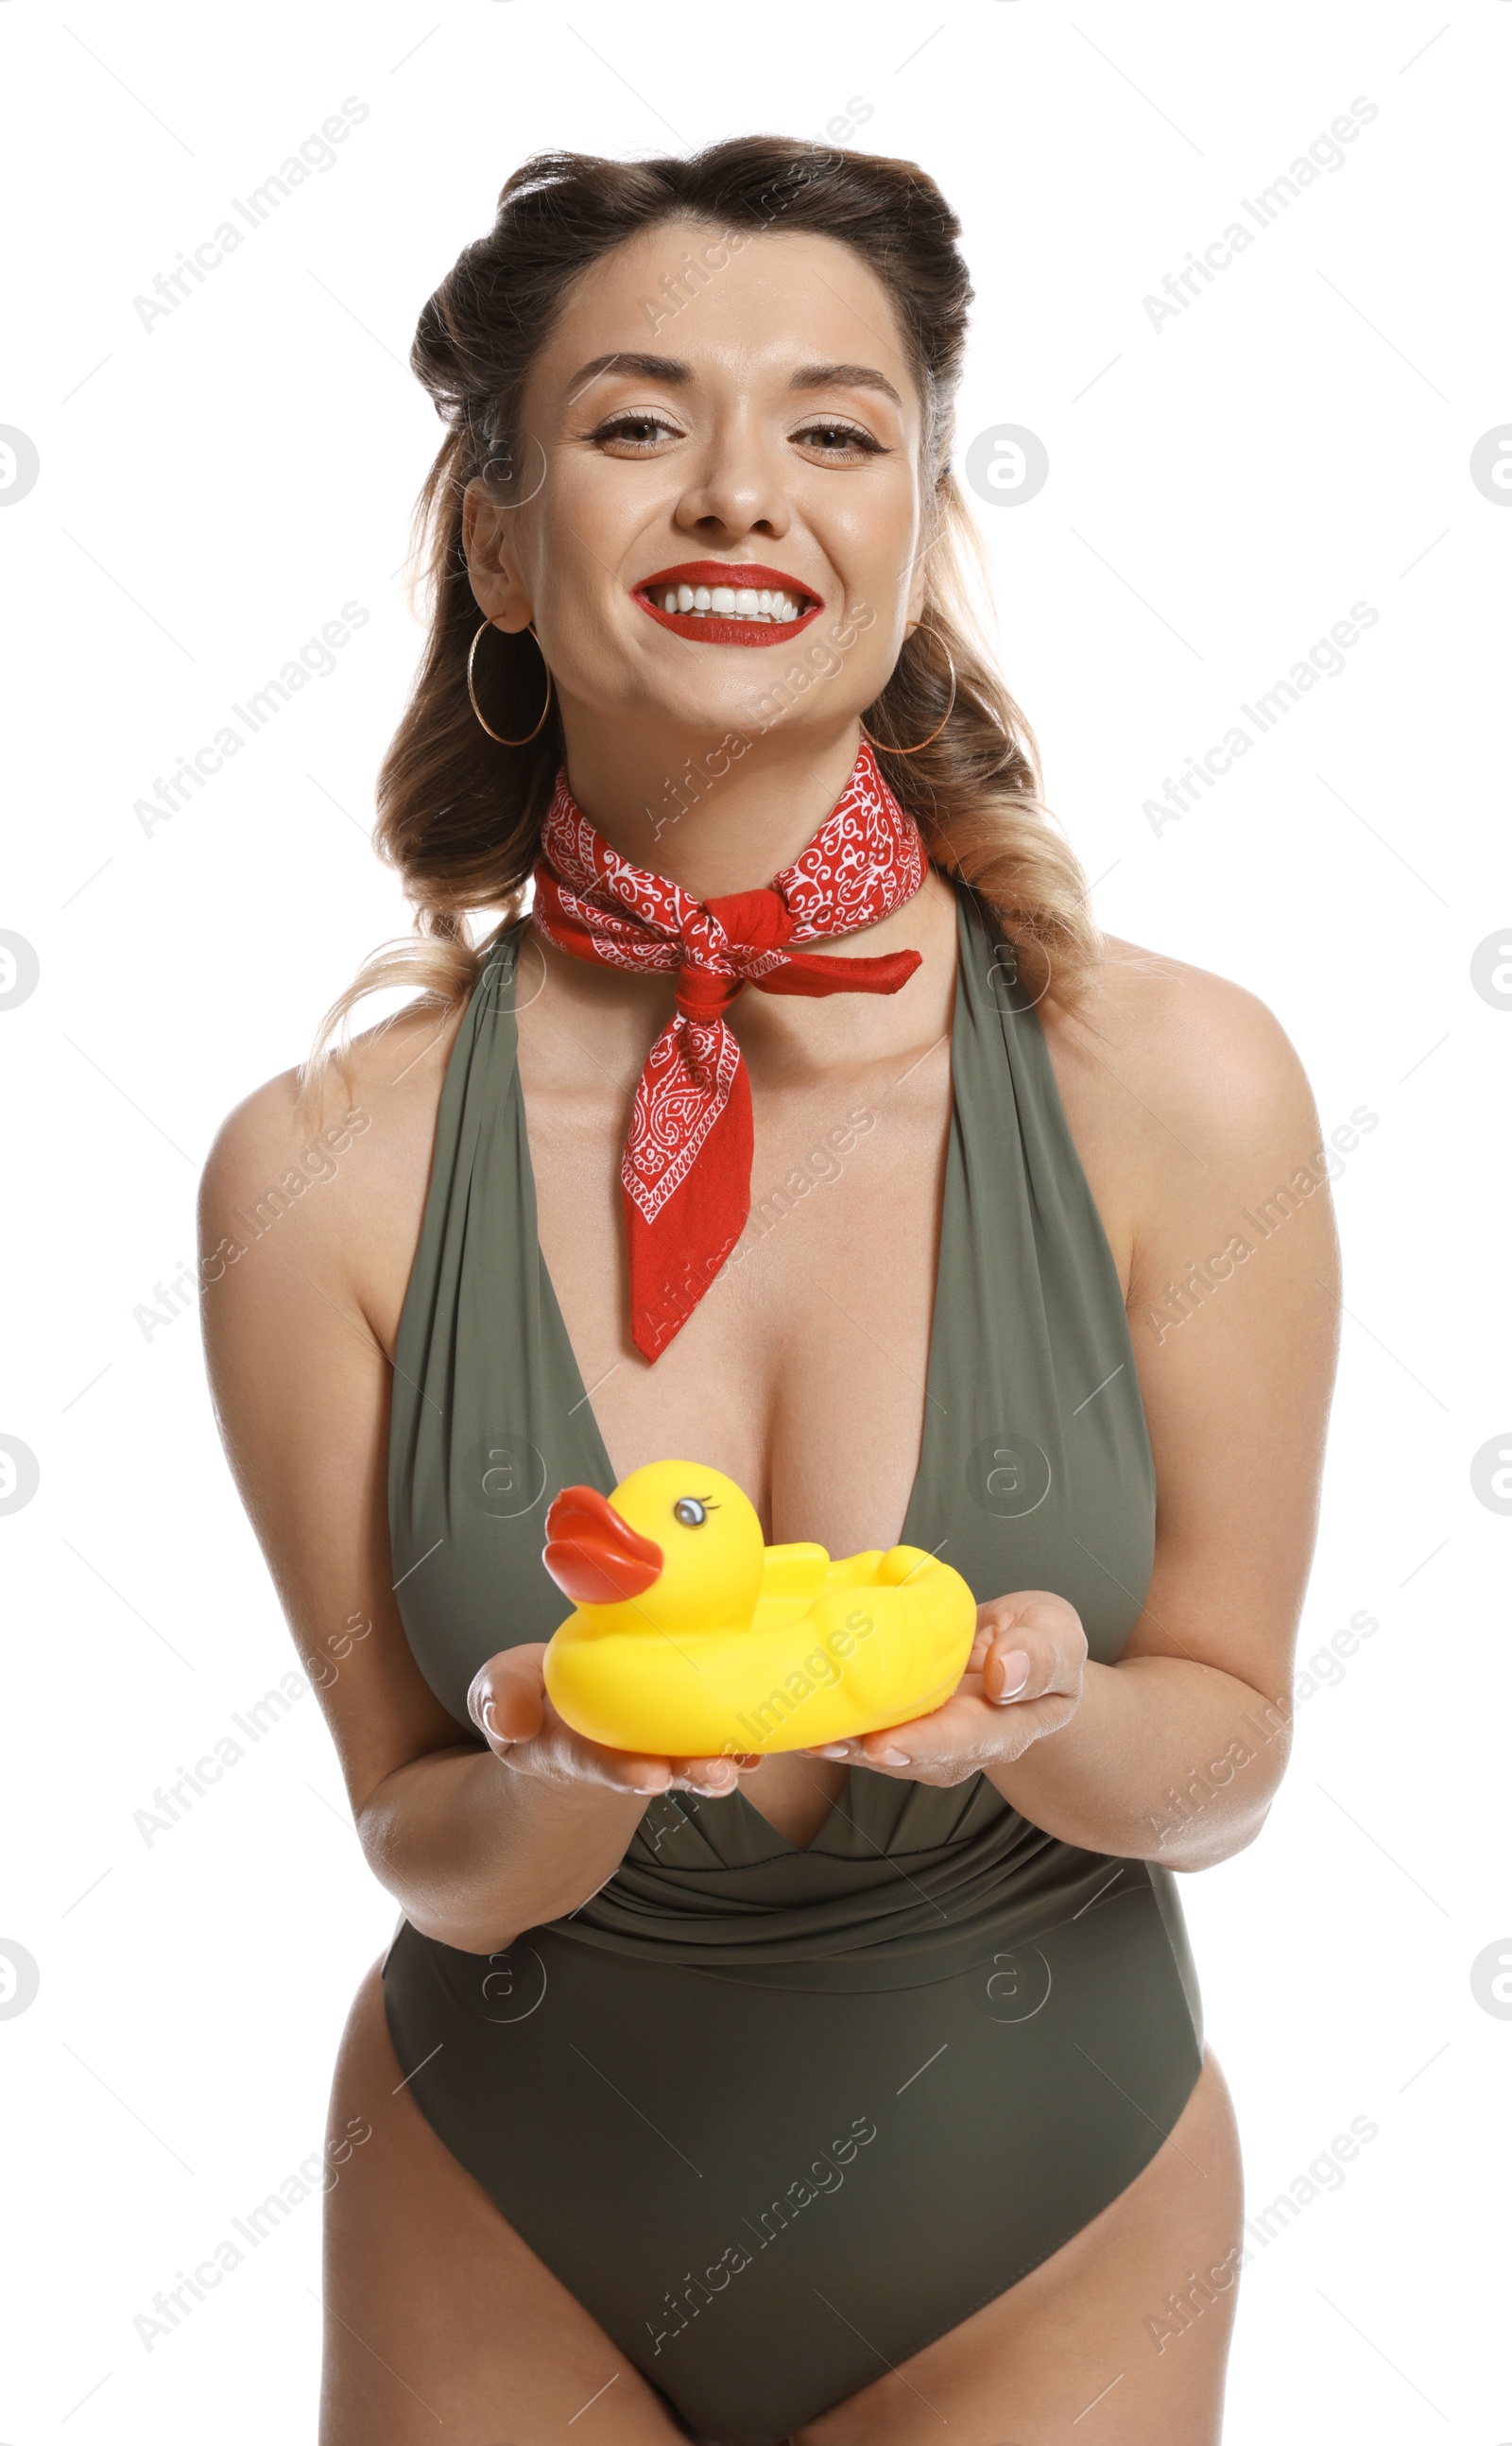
<point>498,585</point>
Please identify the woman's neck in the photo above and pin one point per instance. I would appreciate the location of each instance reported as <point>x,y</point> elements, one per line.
<point>713,816</point>
<point>579,1010</point>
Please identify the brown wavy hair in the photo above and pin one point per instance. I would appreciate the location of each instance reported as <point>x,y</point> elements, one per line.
<point>458,815</point>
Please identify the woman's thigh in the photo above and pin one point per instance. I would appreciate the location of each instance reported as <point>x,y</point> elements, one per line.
<point>1089,2345</point>
<point>436,2314</point>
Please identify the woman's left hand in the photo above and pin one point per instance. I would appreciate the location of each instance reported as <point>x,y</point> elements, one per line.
<point>1023,1679</point>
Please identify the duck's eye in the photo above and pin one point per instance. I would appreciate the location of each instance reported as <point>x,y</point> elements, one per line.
<point>690,1511</point>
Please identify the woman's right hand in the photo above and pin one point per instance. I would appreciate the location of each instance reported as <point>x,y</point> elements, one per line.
<point>512,1708</point>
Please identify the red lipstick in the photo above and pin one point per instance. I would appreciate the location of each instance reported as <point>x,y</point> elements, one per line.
<point>710,627</point>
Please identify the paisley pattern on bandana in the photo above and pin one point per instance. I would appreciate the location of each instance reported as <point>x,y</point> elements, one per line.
<point>690,1130</point>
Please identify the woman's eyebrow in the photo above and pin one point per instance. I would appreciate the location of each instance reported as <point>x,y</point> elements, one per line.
<point>673,369</point>
<point>842,378</point>
<point>628,361</point>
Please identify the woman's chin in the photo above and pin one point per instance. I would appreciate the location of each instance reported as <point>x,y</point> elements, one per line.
<point>701,713</point>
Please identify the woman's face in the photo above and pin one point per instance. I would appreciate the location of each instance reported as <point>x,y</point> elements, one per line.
<point>708,414</point>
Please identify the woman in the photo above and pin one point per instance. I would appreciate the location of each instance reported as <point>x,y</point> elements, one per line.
<point>835,2093</point>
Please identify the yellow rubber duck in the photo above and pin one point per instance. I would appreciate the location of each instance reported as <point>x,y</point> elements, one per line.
<point>692,1639</point>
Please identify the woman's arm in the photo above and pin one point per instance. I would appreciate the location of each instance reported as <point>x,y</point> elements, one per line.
<point>1163,1760</point>
<point>474,1842</point>
<point>1193,1111</point>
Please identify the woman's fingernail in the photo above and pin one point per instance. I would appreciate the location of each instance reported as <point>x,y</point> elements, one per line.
<point>896,1758</point>
<point>834,1750</point>
<point>505,1741</point>
<point>1015,1676</point>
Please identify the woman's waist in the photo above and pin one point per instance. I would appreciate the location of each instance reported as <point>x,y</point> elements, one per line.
<point>827,1922</point>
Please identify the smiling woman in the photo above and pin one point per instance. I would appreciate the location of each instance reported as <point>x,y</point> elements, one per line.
<point>860,385</point>
<point>629,1993</point>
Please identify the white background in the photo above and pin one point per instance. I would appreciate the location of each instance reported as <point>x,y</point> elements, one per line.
<point>213,490</point>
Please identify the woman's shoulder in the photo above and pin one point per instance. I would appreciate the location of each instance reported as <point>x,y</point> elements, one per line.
<point>1200,1037</point>
<point>334,1179</point>
<point>391,1073</point>
<point>1171,1076</point>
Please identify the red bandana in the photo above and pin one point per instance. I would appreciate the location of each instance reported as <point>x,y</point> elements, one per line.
<point>686,1172</point>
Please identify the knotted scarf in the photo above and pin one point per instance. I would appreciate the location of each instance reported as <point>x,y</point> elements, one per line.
<point>686,1168</point>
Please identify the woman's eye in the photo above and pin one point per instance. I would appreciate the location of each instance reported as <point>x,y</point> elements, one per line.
<point>838,441</point>
<point>637,432</point>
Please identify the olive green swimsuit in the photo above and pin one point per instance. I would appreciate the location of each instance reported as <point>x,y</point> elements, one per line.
<point>779,2118</point>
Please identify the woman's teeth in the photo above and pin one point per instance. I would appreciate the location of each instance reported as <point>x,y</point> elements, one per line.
<point>731,602</point>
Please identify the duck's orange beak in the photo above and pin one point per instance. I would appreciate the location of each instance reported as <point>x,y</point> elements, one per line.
<point>593,1556</point>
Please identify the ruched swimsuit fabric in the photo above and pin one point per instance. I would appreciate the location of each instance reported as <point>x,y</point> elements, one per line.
<point>778,2117</point>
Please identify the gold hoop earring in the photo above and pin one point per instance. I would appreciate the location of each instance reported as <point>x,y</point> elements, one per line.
<point>473,694</point>
<point>945,717</point>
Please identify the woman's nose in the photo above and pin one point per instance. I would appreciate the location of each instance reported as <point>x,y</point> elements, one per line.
<point>736,491</point>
